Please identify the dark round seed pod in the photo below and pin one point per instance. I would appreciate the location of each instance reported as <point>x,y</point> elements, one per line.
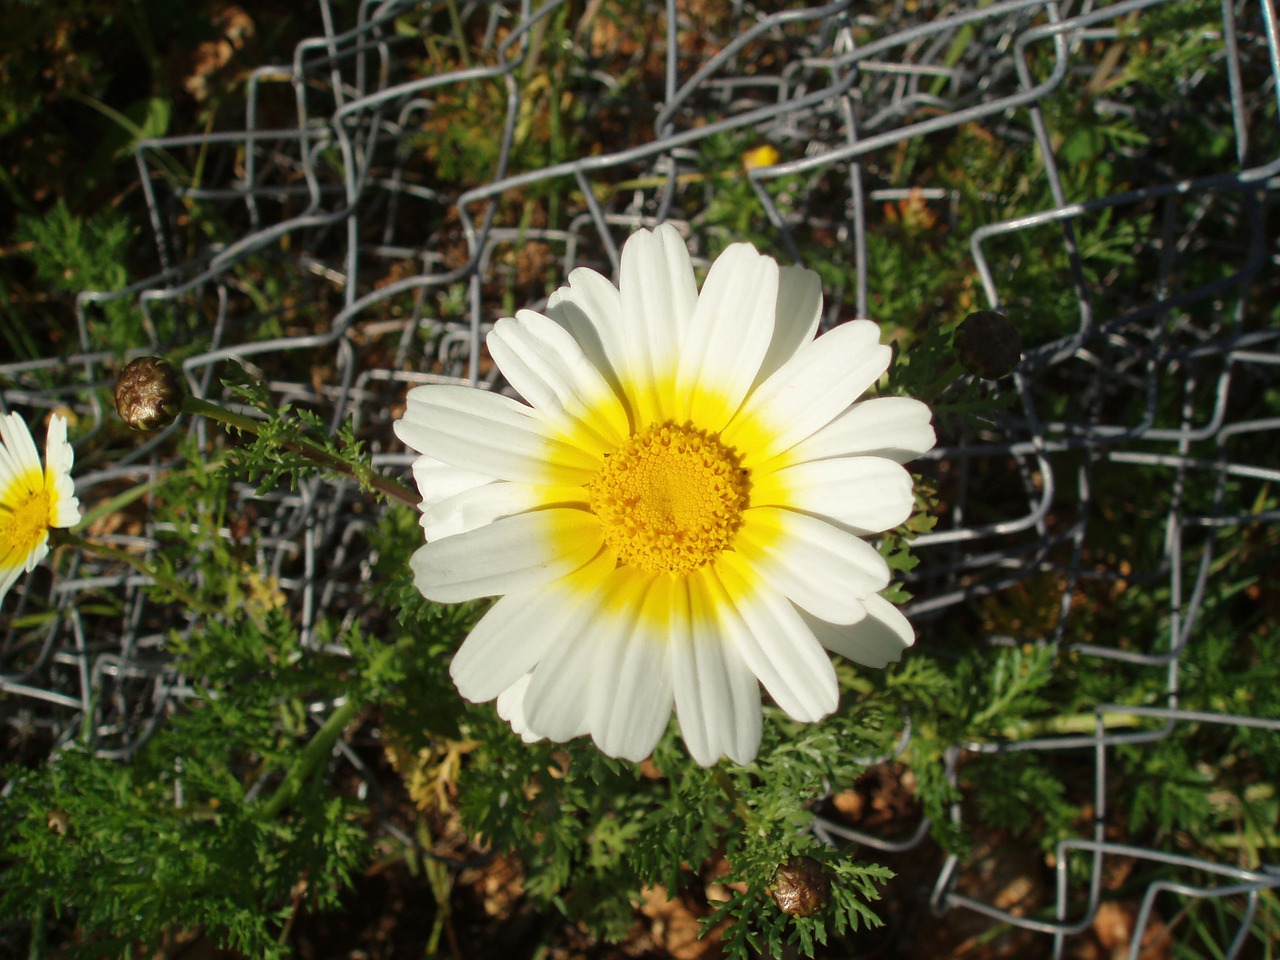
<point>148,393</point>
<point>988,345</point>
<point>801,887</point>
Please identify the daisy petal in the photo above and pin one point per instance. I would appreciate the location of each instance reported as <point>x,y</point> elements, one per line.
<point>520,628</point>
<point>808,391</point>
<point>59,458</point>
<point>510,704</point>
<point>798,313</point>
<point>481,505</point>
<point>18,455</point>
<point>8,577</point>
<point>545,365</point>
<point>659,294</point>
<point>820,568</point>
<point>875,641</point>
<point>630,702</point>
<point>728,336</point>
<point>438,480</point>
<point>556,703</point>
<point>774,641</point>
<point>488,433</point>
<point>896,428</point>
<point>589,308</point>
<point>716,695</point>
<point>864,494</point>
<point>514,553</point>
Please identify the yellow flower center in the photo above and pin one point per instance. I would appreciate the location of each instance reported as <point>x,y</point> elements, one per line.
<point>26,511</point>
<point>671,498</point>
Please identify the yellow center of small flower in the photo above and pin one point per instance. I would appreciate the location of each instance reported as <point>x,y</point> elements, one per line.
<point>26,512</point>
<point>671,498</point>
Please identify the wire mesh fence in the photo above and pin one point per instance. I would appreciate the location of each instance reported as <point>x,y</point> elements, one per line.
<point>1153,372</point>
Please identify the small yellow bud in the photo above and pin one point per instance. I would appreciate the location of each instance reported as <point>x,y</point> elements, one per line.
<point>765,155</point>
<point>148,393</point>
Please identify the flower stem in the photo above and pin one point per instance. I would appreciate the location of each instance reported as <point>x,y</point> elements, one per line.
<point>313,754</point>
<point>362,474</point>
<point>318,748</point>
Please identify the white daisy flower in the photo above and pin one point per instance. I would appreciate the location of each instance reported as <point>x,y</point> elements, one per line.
<point>33,498</point>
<point>675,515</point>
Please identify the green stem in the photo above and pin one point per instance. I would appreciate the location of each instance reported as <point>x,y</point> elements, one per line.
<point>313,754</point>
<point>318,748</point>
<point>364,475</point>
<point>158,576</point>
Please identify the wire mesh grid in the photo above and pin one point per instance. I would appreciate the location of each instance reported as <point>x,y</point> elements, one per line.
<point>331,184</point>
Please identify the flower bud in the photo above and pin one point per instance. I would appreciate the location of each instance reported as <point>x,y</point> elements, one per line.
<point>801,887</point>
<point>148,393</point>
<point>988,345</point>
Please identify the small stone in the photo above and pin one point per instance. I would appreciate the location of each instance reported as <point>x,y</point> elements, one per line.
<point>148,393</point>
<point>988,345</point>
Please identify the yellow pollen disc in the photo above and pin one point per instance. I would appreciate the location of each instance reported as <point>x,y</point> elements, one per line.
<point>25,514</point>
<point>670,499</point>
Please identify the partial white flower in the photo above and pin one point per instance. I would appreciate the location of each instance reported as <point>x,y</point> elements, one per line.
<point>33,498</point>
<point>674,516</point>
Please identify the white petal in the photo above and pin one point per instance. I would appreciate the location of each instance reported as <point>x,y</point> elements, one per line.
<point>18,454</point>
<point>589,307</point>
<point>875,641</point>
<point>658,298</point>
<point>896,428</point>
<point>515,553</point>
<point>8,577</point>
<point>559,694</point>
<point>59,458</point>
<point>520,628</point>
<point>774,641</point>
<point>728,336</point>
<point>630,693</point>
<point>864,494</point>
<point>821,568</point>
<point>483,432</point>
<point>438,480</point>
<point>717,696</point>
<point>809,391</point>
<point>484,504</point>
<point>798,314</point>
<point>545,365</point>
<point>510,706</point>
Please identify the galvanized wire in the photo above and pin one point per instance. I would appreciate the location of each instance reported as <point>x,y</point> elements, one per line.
<point>328,183</point>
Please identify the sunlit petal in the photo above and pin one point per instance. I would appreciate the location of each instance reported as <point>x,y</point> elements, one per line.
<point>487,433</point>
<point>864,494</point>
<point>896,428</point>
<point>728,336</point>
<point>875,641</point>
<point>808,391</point>
<point>821,568</point>
<point>550,371</point>
<point>510,554</point>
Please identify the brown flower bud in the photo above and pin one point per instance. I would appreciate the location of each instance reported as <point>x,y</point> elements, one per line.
<point>58,821</point>
<point>148,393</point>
<point>988,345</point>
<point>801,887</point>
